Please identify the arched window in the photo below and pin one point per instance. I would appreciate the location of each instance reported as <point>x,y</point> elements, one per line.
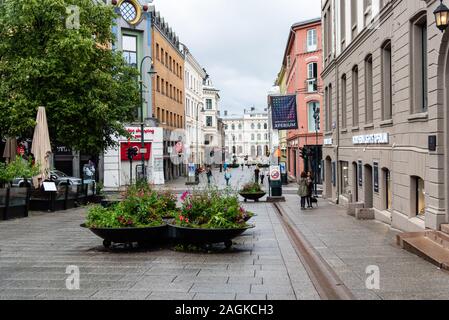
<point>253,126</point>
<point>233,127</point>
<point>259,137</point>
<point>259,126</point>
<point>265,126</point>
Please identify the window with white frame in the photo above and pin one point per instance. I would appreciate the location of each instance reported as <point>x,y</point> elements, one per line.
<point>311,40</point>
<point>312,77</point>
<point>313,112</point>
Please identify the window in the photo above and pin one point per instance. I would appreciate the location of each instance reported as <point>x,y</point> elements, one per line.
<point>259,126</point>
<point>162,56</point>
<point>209,121</point>
<point>158,84</point>
<point>253,126</point>
<point>326,110</point>
<point>343,24</point>
<point>313,110</point>
<point>419,64</point>
<point>345,188</point>
<point>209,104</point>
<point>312,76</point>
<point>369,89</point>
<point>233,127</point>
<point>129,45</point>
<point>344,116</point>
<point>240,126</point>
<point>252,137</point>
<point>157,52</point>
<point>265,126</point>
<point>355,96</point>
<point>329,118</point>
<point>354,4</point>
<point>259,137</point>
<point>367,11</point>
<point>387,82</point>
<point>311,40</point>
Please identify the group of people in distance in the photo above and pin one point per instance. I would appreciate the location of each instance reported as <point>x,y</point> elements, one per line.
<point>305,190</point>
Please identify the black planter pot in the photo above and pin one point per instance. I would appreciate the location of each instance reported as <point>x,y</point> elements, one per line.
<point>253,196</point>
<point>193,236</point>
<point>143,236</point>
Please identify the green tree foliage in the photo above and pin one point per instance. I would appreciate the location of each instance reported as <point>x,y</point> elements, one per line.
<point>86,87</point>
<point>19,168</point>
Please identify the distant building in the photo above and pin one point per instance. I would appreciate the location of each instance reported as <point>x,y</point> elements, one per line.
<point>247,135</point>
<point>194,77</point>
<point>211,116</point>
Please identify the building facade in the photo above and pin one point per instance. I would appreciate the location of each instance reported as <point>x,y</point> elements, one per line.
<point>302,65</point>
<point>386,115</point>
<point>168,93</point>
<point>281,82</point>
<point>210,120</point>
<point>194,76</point>
<point>247,135</point>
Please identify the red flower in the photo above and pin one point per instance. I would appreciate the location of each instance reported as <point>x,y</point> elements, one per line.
<point>187,220</point>
<point>181,218</point>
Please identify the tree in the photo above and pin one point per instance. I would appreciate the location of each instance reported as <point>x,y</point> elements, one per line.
<point>87,88</point>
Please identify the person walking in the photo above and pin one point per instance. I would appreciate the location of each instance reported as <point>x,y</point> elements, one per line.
<point>228,177</point>
<point>302,190</point>
<point>256,174</point>
<point>243,166</point>
<point>209,175</point>
<point>262,176</point>
<point>309,190</point>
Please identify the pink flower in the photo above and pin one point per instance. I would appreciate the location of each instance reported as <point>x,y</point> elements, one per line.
<point>181,218</point>
<point>189,207</point>
<point>184,196</point>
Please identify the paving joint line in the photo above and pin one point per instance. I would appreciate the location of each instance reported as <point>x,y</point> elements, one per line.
<point>327,283</point>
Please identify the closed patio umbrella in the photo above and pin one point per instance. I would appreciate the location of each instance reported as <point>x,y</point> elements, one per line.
<point>41,148</point>
<point>10,149</point>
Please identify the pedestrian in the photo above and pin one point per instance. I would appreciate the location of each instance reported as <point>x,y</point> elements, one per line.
<point>256,174</point>
<point>262,176</point>
<point>209,175</point>
<point>302,190</point>
<point>309,189</point>
<point>227,176</point>
<point>243,166</point>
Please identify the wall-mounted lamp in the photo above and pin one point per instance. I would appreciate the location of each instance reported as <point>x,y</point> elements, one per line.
<point>442,16</point>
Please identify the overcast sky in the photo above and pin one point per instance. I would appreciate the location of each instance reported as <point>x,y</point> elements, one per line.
<point>240,42</point>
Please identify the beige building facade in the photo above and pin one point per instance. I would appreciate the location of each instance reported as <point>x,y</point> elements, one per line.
<point>386,114</point>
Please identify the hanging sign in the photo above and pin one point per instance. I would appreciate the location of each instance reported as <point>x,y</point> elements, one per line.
<point>284,112</point>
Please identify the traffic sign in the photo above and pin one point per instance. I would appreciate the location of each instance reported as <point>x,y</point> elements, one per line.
<point>275,173</point>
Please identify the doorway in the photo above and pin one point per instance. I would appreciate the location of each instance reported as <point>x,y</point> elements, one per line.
<point>368,177</point>
<point>328,177</point>
<point>355,183</point>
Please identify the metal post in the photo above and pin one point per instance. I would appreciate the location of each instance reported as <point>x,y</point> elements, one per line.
<point>142,128</point>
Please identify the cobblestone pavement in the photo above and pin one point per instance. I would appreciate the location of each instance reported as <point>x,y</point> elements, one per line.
<point>349,246</point>
<point>36,251</point>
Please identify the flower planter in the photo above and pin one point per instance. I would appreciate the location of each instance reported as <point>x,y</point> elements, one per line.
<point>253,196</point>
<point>193,236</point>
<point>143,236</point>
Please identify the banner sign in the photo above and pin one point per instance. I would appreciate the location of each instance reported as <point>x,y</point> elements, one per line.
<point>284,112</point>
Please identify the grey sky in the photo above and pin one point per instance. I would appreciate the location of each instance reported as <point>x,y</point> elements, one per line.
<point>240,42</point>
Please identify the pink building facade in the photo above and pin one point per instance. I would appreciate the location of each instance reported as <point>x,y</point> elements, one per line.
<point>303,65</point>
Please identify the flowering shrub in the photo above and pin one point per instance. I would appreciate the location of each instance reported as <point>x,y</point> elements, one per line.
<point>251,188</point>
<point>211,210</point>
<point>141,207</point>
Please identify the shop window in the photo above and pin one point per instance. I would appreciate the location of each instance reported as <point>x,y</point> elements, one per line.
<point>418,64</point>
<point>418,197</point>
<point>345,188</point>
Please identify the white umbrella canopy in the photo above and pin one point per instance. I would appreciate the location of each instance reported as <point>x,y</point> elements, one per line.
<point>41,148</point>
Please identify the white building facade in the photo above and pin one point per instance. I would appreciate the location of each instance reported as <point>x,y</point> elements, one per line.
<point>194,102</point>
<point>211,116</point>
<point>247,135</point>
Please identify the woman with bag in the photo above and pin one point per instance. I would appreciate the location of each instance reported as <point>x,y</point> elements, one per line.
<point>303,190</point>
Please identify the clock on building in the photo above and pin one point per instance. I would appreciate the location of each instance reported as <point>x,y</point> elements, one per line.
<point>130,10</point>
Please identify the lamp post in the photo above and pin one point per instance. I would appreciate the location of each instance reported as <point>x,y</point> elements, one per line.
<point>442,16</point>
<point>197,129</point>
<point>142,122</point>
<point>316,116</point>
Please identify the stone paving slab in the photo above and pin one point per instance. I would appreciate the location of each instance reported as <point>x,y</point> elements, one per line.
<point>350,246</point>
<point>35,252</point>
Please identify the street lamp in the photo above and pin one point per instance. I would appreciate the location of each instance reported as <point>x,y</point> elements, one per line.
<point>142,152</point>
<point>442,16</point>
<point>316,116</point>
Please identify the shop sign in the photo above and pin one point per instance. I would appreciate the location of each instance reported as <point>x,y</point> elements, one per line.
<point>192,169</point>
<point>328,141</point>
<point>136,133</point>
<point>378,138</point>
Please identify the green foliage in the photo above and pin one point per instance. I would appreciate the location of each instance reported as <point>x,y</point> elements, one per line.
<point>141,207</point>
<point>86,87</point>
<point>211,209</point>
<point>19,168</point>
<point>252,187</point>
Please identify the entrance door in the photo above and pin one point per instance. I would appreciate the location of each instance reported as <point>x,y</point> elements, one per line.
<point>328,177</point>
<point>368,175</point>
<point>355,183</point>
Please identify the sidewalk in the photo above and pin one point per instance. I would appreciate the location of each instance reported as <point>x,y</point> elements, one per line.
<point>349,246</point>
<point>35,252</point>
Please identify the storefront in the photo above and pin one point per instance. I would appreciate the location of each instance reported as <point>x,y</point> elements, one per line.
<point>119,171</point>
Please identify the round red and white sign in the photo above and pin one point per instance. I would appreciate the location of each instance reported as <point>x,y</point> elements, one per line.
<point>275,173</point>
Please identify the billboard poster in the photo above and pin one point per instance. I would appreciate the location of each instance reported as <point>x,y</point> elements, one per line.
<point>284,112</point>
